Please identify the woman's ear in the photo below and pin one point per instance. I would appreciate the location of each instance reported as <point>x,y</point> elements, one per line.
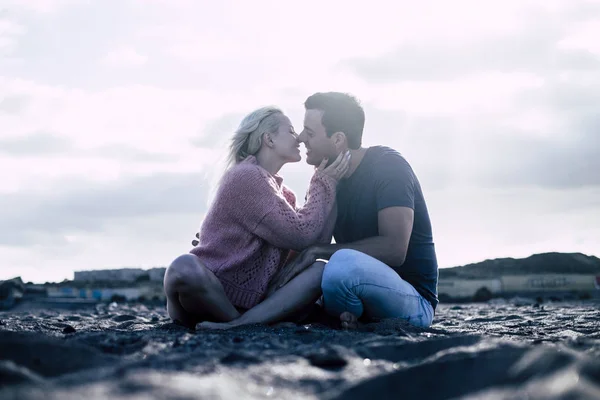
<point>268,140</point>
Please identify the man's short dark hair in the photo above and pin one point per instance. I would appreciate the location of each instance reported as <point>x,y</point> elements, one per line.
<point>341,113</point>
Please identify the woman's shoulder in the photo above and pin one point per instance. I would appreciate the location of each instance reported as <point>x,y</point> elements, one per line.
<point>246,172</point>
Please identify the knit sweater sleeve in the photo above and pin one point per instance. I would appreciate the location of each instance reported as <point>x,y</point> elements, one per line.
<point>268,214</point>
<point>327,232</point>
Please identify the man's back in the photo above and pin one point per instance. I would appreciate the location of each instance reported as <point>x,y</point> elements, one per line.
<point>385,179</point>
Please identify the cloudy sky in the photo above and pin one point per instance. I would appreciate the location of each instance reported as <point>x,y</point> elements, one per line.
<point>114,115</point>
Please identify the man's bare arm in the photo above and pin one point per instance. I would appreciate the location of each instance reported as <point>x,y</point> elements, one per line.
<point>390,247</point>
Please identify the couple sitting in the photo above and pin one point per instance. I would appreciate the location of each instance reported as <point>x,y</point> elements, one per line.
<point>258,258</point>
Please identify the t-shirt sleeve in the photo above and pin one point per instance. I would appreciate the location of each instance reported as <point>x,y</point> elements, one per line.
<point>395,183</point>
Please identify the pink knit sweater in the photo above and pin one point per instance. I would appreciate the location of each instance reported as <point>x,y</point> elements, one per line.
<point>254,222</point>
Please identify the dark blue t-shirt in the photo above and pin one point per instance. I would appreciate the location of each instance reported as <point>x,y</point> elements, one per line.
<point>385,179</point>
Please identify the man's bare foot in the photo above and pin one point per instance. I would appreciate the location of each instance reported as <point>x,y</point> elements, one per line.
<point>349,321</point>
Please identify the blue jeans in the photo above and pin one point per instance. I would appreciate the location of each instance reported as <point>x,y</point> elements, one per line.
<point>360,284</point>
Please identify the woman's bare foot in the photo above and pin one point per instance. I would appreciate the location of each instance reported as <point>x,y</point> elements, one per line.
<point>216,325</point>
<point>349,321</point>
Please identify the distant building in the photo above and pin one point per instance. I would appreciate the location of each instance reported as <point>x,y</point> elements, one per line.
<point>522,285</point>
<point>120,275</point>
<point>157,274</point>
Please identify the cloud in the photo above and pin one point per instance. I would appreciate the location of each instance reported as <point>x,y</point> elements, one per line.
<point>217,132</point>
<point>124,57</point>
<point>13,105</point>
<point>529,161</point>
<point>42,6</point>
<point>38,143</point>
<point>79,206</point>
<point>128,154</point>
<point>10,31</point>
<point>52,144</point>
<point>530,49</point>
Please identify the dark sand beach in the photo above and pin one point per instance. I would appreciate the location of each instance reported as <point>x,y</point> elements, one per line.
<point>503,349</point>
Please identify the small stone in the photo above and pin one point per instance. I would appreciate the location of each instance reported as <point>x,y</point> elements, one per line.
<point>125,325</point>
<point>327,359</point>
<point>68,329</point>
<point>123,318</point>
<point>237,339</point>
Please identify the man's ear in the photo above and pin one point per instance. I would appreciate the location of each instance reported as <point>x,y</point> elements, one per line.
<point>339,141</point>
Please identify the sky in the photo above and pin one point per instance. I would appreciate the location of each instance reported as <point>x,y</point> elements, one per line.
<point>115,116</point>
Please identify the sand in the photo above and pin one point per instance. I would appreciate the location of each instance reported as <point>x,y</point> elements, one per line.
<point>497,350</point>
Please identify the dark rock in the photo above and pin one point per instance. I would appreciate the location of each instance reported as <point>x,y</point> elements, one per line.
<point>125,325</point>
<point>237,339</point>
<point>11,373</point>
<point>327,358</point>
<point>482,295</point>
<point>123,318</point>
<point>68,329</point>
<point>49,356</point>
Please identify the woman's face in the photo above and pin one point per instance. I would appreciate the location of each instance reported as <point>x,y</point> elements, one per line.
<point>285,142</point>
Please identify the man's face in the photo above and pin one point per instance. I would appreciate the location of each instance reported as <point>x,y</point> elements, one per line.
<point>318,145</point>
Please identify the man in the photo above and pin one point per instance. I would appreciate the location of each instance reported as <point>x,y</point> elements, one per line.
<point>383,263</point>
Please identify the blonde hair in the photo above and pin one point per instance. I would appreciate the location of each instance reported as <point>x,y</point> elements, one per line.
<point>248,137</point>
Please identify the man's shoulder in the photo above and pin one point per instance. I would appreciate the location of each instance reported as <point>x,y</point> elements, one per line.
<point>384,158</point>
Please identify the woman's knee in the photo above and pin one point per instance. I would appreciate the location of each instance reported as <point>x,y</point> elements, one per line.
<point>187,271</point>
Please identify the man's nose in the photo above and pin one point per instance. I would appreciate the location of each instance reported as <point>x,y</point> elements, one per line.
<point>302,137</point>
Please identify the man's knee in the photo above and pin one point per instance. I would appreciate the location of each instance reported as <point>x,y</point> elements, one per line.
<point>339,270</point>
<point>186,271</point>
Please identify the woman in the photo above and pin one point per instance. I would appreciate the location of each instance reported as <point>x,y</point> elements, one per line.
<point>250,229</point>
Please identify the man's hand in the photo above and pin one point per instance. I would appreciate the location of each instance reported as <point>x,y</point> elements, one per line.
<point>302,261</point>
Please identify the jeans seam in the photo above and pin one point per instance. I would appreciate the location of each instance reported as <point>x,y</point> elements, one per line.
<point>417,296</point>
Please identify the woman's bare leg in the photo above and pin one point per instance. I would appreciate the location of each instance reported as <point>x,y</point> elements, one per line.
<point>195,294</point>
<point>299,293</point>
